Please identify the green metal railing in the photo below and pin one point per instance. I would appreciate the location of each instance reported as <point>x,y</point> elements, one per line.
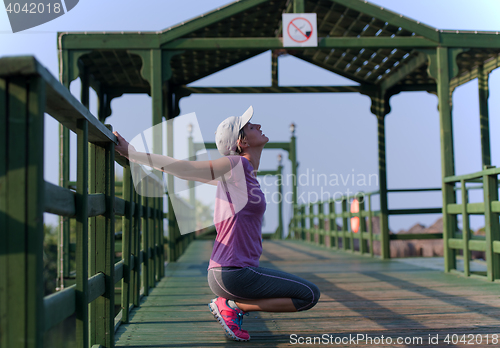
<point>465,242</point>
<point>27,92</point>
<point>344,237</point>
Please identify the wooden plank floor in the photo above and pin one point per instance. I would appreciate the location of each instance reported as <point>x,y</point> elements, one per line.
<point>360,296</point>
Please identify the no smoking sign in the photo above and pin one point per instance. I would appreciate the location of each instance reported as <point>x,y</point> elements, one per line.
<point>299,30</point>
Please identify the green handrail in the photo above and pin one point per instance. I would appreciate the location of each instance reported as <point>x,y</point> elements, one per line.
<point>27,92</point>
<point>490,208</point>
<point>344,238</point>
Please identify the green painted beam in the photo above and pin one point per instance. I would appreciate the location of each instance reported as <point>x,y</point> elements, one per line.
<point>403,70</point>
<point>391,17</point>
<point>467,177</point>
<point>470,40</point>
<point>118,40</point>
<point>416,236</point>
<point>272,43</point>
<point>208,19</point>
<point>283,89</point>
<point>298,6</point>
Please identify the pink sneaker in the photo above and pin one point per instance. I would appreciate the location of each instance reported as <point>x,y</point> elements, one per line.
<point>230,319</point>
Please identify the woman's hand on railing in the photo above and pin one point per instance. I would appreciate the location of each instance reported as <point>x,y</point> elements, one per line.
<point>123,147</point>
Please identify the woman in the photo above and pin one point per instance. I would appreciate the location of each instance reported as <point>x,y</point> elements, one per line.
<point>234,275</point>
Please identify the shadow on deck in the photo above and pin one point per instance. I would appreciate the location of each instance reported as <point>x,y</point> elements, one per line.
<point>360,296</point>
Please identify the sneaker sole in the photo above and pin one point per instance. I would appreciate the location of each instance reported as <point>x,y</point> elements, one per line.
<point>230,334</point>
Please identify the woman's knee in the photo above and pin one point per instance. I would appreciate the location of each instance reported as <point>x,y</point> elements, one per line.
<point>310,301</point>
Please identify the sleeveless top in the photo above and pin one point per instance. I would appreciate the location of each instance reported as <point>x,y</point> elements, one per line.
<point>239,208</point>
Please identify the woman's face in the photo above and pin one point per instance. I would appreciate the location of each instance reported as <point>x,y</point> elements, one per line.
<point>254,135</point>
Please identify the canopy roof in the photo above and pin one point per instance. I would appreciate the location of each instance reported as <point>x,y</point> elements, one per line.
<point>358,40</point>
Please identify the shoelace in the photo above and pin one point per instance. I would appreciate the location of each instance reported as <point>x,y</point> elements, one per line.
<point>239,319</point>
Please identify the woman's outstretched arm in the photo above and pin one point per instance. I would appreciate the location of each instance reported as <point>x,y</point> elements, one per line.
<point>202,171</point>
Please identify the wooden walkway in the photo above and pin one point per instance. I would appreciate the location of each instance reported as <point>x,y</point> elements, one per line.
<point>360,296</point>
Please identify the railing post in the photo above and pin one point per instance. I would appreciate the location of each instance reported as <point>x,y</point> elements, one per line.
<point>482,80</point>
<point>303,222</point>
<point>345,224</point>
<point>332,225</point>
<point>162,234</point>
<point>82,239</point>
<point>127,236</point>
<point>351,233</point>
<point>362,225</point>
<point>159,237</point>
<point>492,228</point>
<point>22,107</point>
<point>465,228</point>
<point>102,240</point>
<point>136,247</point>
<point>443,59</point>
<point>145,236</point>
<point>310,213</point>
<point>321,224</point>
<point>370,225</point>
<point>152,234</point>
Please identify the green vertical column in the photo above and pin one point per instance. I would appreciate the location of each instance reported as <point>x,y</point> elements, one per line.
<point>292,155</point>
<point>321,223</point>
<point>274,69</point>
<point>380,113</point>
<point>482,77</point>
<point>465,228</point>
<point>492,228</point>
<point>191,184</point>
<point>173,240</point>
<point>145,235</point>
<point>82,223</point>
<point>310,213</point>
<point>63,237</point>
<point>345,224</point>
<point>64,148</point>
<point>303,222</point>
<point>351,233</point>
<point>362,225</point>
<point>4,249</point>
<point>82,238</point>
<point>159,235</point>
<point>102,239</point>
<point>22,188</point>
<point>35,192</point>
<point>152,234</point>
<point>298,6</point>
<point>127,236</point>
<point>332,225</point>
<point>447,154</point>
<point>370,225</point>
<point>136,247</point>
<point>280,204</point>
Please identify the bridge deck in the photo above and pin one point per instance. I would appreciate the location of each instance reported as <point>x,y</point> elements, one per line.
<point>360,295</point>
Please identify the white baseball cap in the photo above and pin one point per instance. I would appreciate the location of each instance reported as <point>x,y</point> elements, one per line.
<point>226,136</point>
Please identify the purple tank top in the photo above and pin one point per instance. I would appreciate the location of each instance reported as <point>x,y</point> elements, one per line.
<point>238,218</point>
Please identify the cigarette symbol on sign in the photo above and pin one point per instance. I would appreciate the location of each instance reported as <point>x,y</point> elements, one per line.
<point>300,29</point>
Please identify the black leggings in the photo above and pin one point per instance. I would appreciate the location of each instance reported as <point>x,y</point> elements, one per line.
<point>254,283</point>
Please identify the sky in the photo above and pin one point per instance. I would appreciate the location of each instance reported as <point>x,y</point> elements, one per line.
<point>336,133</point>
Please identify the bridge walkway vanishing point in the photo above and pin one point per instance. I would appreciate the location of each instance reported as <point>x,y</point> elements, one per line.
<point>359,296</point>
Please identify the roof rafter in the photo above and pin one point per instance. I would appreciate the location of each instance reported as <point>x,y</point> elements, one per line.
<point>403,71</point>
<point>392,18</point>
<point>208,19</point>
